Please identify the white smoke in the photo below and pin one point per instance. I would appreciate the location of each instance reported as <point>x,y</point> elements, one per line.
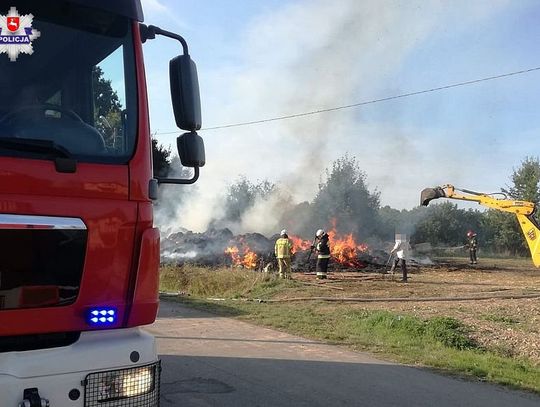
<point>263,216</point>
<point>309,55</point>
<point>175,256</point>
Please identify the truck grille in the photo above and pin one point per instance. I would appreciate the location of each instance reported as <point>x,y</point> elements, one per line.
<point>131,387</point>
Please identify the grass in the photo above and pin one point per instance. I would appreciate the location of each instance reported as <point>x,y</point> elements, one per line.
<point>493,261</point>
<point>440,342</point>
<point>204,282</point>
<point>503,319</point>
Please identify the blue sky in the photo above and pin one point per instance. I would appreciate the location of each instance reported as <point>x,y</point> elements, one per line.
<point>263,59</point>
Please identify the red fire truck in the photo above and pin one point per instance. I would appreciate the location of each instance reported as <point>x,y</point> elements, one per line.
<point>79,254</point>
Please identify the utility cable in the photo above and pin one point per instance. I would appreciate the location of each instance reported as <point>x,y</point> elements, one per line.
<point>369,102</point>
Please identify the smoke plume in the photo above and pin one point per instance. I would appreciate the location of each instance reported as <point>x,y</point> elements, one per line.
<point>301,57</point>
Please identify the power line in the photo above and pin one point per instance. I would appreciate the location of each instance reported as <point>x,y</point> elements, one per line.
<point>369,102</point>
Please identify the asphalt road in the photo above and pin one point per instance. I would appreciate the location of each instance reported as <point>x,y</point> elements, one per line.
<point>214,361</point>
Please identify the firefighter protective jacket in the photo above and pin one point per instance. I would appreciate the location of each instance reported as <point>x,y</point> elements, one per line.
<point>283,248</point>
<point>322,247</point>
<point>472,242</point>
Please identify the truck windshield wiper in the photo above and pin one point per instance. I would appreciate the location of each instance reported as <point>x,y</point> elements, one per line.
<point>47,147</point>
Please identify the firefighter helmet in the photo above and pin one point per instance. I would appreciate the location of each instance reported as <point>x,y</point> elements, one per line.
<point>470,233</point>
<point>283,232</point>
<point>319,233</point>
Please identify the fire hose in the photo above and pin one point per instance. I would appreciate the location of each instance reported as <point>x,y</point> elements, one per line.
<point>377,299</point>
<point>403,299</point>
<point>311,249</point>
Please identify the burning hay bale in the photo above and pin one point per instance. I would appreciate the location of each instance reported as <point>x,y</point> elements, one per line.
<point>198,248</point>
<point>220,247</point>
<point>252,251</point>
<point>216,247</point>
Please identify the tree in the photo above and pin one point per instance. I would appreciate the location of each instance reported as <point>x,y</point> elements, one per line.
<point>504,229</point>
<point>526,181</point>
<point>345,198</point>
<point>393,221</point>
<point>241,196</point>
<point>160,159</point>
<point>108,120</point>
<point>445,224</point>
<point>503,234</point>
<point>107,108</point>
<point>106,99</point>
<point>390,220</point>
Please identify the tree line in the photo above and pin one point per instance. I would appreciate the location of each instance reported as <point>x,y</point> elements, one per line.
<point>345,200</point>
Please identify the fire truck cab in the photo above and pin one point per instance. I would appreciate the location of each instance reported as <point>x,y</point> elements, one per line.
<point>79,254</point>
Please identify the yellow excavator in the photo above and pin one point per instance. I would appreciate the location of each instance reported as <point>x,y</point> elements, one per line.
<point>522,209</point>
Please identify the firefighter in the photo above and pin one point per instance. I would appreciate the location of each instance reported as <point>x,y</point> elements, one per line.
<point>283,251</point>
<point>323,253</point>
<point>472,244</point>
<point>400,248</point>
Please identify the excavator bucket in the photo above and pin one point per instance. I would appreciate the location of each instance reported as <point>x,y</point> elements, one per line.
<point>430,194</point>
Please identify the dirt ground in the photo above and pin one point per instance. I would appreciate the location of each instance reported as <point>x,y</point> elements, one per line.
<point>503,322</point>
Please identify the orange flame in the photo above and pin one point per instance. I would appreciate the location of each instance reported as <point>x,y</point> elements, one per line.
<point>247,258</point>
<point>233,252</point>
<point>344,249</point>
<point>299,244</point>
<point>250,259</point>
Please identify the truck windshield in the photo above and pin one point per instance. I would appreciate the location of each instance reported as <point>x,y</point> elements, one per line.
<point>76,91</point>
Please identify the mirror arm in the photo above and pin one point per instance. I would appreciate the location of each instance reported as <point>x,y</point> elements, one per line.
<point>191,180</point>
<point>149,33</point>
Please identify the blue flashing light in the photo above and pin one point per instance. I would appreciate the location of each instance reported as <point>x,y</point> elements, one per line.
<point>101,316</point>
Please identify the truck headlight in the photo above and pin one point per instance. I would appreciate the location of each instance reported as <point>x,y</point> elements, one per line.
<point>139,383</point>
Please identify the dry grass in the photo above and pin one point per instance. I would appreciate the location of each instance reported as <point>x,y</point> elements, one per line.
<point>509,326</point>
<point>204,282</point>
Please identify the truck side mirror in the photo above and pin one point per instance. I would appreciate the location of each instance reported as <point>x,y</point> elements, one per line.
<point>185,96</point>
<point>186,103</point>
<point>191,150</point>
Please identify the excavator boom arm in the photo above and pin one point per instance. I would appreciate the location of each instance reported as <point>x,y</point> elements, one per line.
<point>449,191</point>
<point>523,210</point>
